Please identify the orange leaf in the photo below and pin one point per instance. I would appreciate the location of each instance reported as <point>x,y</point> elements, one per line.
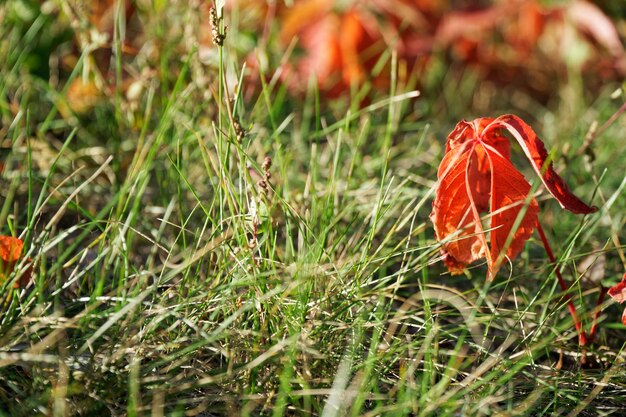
<point>453,212</point>
<point>10,254</point>
<point>476,176</point>
<point>10,249</point>
<point>509,191</point>
<point>618,293</point>
<point>337,46</point>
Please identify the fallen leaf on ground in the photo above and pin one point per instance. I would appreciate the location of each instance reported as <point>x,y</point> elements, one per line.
<point>476,176</point>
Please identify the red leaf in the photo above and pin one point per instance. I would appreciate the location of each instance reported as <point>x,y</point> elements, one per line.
<point>536,152</point>
<point>10,249</point>
<point>509,192</point>
<point>10,254</point>
<point>618,293</point>
<point>338,46</point>
<point>476,176</point>
<point>454,212</point>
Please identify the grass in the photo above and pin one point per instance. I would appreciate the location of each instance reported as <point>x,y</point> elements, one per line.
<point>169,280</point>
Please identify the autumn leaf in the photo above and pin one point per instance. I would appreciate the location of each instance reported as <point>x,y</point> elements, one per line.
<point>339,46</point>
<point>618,293</point>
<point>10,254</point>
<point>476,176</point>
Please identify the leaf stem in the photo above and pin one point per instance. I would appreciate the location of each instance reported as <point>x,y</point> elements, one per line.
<point>582,337</point>
<point>594,323</point>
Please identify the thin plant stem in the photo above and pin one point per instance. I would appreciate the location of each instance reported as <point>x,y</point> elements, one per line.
<point>582,337</point>
<point>594,323</point>
<point>594,134</point>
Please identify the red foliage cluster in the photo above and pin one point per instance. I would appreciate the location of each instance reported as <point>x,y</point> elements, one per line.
<point>339,45</point>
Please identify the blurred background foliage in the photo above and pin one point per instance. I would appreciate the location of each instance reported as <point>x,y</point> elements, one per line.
<point>519,52</point>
